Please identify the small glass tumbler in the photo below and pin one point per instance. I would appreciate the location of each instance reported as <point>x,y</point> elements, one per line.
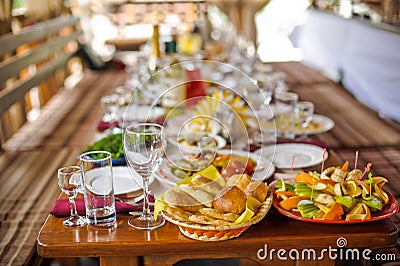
<point>98,188</point>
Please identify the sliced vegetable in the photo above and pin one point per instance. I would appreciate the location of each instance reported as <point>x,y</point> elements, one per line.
<point>301,189</point>
<point>347,202</point>
<point>374,203</point>
<point>306,178</point>
<point>359,212</point>
<point>307,208</point>
<point>291,203</point>
<point>335,212</point>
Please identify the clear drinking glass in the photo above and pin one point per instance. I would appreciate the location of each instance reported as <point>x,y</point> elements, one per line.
<point>285,114</point>
<point>304,113</point>
<point>266,84</point>
<point>144,145</point>
<point>70,182</point>
<point>98,183</point>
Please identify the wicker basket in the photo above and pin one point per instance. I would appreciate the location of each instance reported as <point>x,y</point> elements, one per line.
<point>223,232</point>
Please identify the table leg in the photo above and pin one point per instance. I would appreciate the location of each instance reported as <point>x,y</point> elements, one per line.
<point>119,260</point>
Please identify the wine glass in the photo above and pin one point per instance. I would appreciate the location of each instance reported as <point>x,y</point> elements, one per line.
<point>144,146</point>
<point>70,182</point>
<point>304,113</point>
<point>109,106</point>
<point>125,95</point>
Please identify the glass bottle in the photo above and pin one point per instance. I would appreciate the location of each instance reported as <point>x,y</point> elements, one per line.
<point>175,76</point>
<point>155,56</point>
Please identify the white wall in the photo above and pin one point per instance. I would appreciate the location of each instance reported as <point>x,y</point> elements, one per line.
<point>366,59</point>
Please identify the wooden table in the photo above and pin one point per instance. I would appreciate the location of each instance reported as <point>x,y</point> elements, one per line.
<point>124,245</point>
<point>166,245</point>
<point>30,159</point>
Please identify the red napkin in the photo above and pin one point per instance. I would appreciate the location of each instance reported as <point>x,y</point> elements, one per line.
<point>61,207</point>
<point>104,125</point>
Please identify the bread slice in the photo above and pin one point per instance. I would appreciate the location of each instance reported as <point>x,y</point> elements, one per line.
<point>178,198</point>
<point>200,195</point>
<point>230,217</point>
<point>206,184</point>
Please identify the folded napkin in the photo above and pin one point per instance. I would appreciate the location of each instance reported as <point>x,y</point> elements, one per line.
<point>101,126</point>
<point>61,206</point>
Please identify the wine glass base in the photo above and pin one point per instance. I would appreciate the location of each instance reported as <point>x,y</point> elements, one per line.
<point>140,221</point>
<point>74,221</point>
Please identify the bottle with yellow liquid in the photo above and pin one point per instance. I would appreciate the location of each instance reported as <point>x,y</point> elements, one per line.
<point>155,56</point>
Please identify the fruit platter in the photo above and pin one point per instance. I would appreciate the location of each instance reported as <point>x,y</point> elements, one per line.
<point>336,196</point>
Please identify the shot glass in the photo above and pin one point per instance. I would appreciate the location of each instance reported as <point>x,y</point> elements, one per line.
<point>97,175</point>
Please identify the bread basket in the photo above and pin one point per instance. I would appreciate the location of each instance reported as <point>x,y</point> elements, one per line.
<point>223,232</point>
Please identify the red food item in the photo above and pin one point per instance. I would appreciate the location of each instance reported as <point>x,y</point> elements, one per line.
<point>237,167</point>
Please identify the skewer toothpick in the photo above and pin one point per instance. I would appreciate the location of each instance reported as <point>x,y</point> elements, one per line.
<point>291,168</point>
<point>355,163</point>
<point>323,160</point>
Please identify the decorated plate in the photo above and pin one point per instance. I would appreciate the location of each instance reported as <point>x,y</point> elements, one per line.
<point>387,211</point>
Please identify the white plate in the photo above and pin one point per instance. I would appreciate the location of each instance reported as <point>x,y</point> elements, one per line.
<point>220,142</point>
<point>124,182</point>
<point>306,155</point>
<point>143,112</point>
<point>264,169</point>
<point>324,124</point>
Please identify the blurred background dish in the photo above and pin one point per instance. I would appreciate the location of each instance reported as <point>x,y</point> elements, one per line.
<point>319,124</point>
<point>305,155</point>
<point>190,144</point>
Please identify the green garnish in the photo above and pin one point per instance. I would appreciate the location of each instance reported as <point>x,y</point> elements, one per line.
<point>112,143</point>
<point>312,181</point>
<point>369,181</point>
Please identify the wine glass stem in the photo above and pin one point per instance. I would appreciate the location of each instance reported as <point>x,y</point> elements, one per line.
<point>146,208</point>
<point>72,205</point>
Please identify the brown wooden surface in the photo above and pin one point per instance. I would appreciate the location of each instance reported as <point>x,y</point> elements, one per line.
<point>275,230</point>
<point>68,124</point>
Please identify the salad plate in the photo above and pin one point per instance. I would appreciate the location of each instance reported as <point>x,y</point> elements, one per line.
<point>305,155</point>
<point>113,144</point>
<point>169,175</point>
